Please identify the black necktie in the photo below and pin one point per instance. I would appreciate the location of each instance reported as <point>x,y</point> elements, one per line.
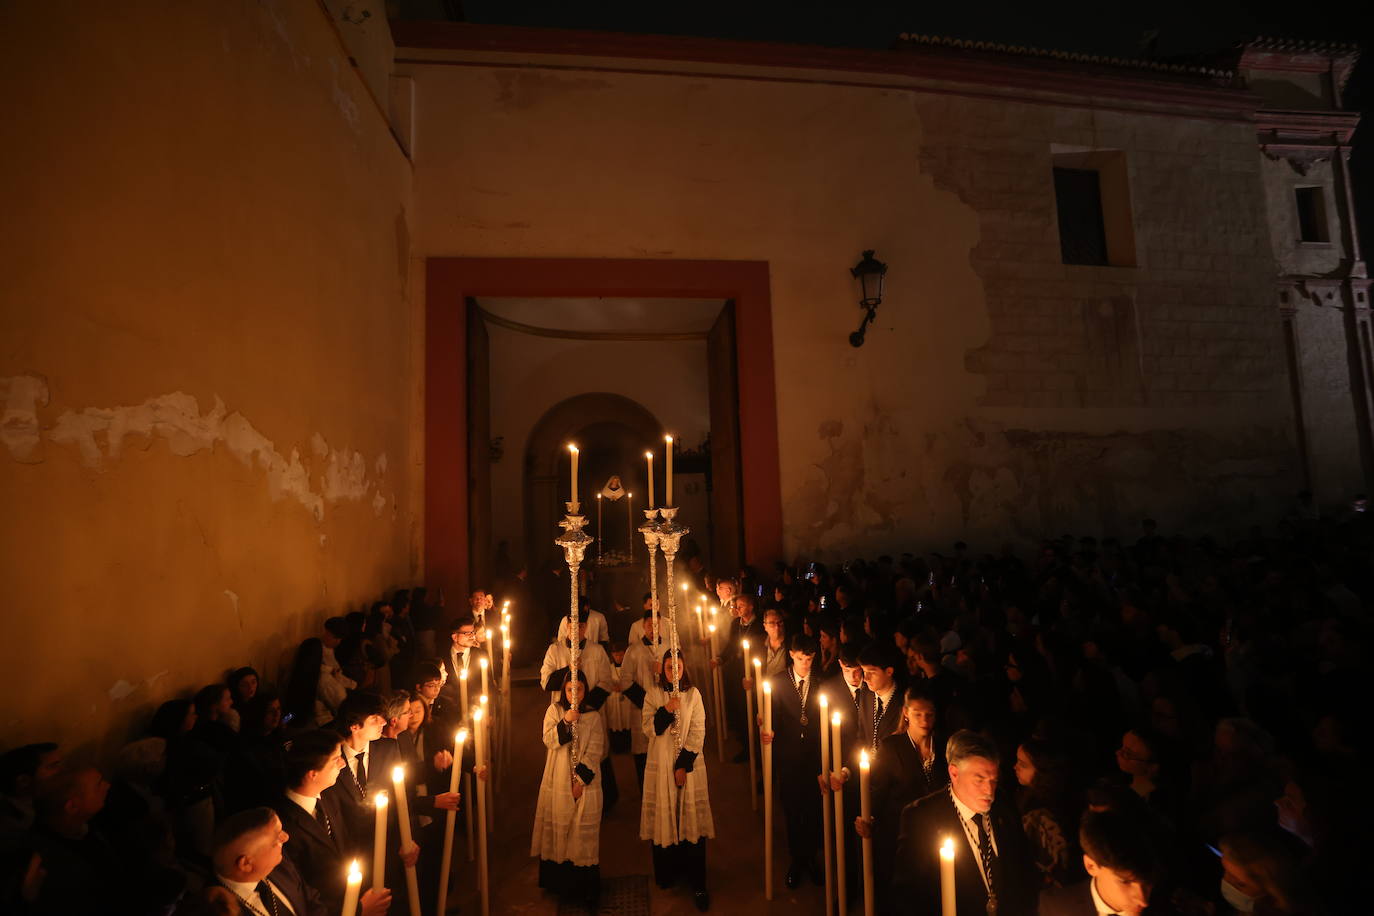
<point>880,708</point>
<point>362,773</point>
<point>269,899</point>
<point>986,853</point>
<point>323,818</point>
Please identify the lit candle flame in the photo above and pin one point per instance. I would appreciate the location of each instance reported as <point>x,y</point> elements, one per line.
<point>825,701</point>
<point>477,714</point>
<point>355,874</point>
<point>767,687</point>
<point>835,717</point>
<point>398,773</point>
<point>463,674</point>
<point>572,448</point>
<point>863,760</point>
<point>461,736</point>
<point>745,643</point>
<point>711,627</point>
<point>379,799</point>
<point>947,849</point>
<point>483,661</point>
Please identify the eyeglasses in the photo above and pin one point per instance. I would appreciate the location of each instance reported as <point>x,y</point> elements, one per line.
<point>1123,753</point>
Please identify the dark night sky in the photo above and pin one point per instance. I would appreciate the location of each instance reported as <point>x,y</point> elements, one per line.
<point>1096,28</point>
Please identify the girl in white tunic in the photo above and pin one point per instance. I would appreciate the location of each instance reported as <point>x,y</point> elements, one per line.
<point>596,664</point>
<point>567,818</point>
<point>676,813</point>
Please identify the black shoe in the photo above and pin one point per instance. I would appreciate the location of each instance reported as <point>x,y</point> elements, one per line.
<point>702,900</point>
<point>793,878</point>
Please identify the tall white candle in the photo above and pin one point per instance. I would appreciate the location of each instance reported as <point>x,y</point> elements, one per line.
<point>572,450</point>
<point>482,663</point>
<point>767,794</point>
<point>668,471</point>
<point>379,844</point>
<point>355,883</point>
<point>480,759</point>
<point>398,783</point>
<point>751,737</point>
<point>649,461</point>
<point>758,679</point>
<point>447,861</point>
<point>837,764</point>
<point>827,808</point>
<point>947,907</point>
<point>865,811</point>
<point>463,686</point>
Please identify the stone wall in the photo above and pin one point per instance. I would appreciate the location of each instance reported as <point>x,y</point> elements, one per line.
<point>1001,394</point>
<point>203,270</point>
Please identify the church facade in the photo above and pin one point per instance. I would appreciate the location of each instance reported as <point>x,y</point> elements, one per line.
<point>240,300</point>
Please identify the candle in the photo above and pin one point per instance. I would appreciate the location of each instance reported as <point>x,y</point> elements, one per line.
<point>630,522</point>
<point>355,883</point>
<point>758,680</point>
<point>837,764</point>
<point>752,738</point>
<point>572,449</point>
<point>649,462</point>
<point>463,683</point>
<point>701,627</point>
<point>379,844</point>
<point>398,781</point>
<point>865,811</point>
<point>718,702</point>
<point>482,663</point>
<point>480,759</point>
<point>668,470</point>
<point>484,726</point>
<point>947,878</point>
<point>767,794</point>
<point>459,737</point>
<point>827,809</point>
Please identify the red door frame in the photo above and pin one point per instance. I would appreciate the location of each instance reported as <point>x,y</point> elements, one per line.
<point>449,281</point>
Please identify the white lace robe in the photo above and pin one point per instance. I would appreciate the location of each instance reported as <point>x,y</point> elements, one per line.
<point>564,829</point>
<point>669,815</point>
<point>592,661</point>
<point>640,669</point>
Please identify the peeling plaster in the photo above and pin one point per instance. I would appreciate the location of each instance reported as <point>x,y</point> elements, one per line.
<point>23,395</point>
<point>121,689</point>
<point>100,435</point>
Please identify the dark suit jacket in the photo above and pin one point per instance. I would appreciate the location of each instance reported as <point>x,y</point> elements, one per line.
<point>916,867</point>
<point>837,691</point>
<point>796,748</point>
<point>452,691</point>
<point>319,857</point>
<point>357,810</point>
<point>1074,900</point>
<point>300,895</point>
<point>887,725</point>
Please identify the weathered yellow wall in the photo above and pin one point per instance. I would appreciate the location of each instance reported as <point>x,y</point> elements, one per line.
<point>203,271</point>
<point>1001,394</point>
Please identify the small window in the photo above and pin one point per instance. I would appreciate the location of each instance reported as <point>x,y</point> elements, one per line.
<point>1082,234</point>
<point>1311,215</point>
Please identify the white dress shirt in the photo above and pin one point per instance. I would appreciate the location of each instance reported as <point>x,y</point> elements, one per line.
<point>305,801</point>
<point>248,893</point>
<point>351,758</point>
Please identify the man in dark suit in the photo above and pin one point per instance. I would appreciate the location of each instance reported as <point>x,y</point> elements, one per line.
<point>462,659</point>
<point>1123,865</point>
<point>797,752</point>
<point>848,694</point>
<point>248,861</point>
<point>992,868</point>
<point>880,706</point>
<point>368,760</point>
<point>746,625</point>
<point>318,843</point>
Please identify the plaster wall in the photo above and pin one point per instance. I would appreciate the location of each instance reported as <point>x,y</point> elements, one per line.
<point>1001,394</point>
<point>1294,256</point>
<point>203,273</point>
<point>532,374</point>
<point>1329,413</point>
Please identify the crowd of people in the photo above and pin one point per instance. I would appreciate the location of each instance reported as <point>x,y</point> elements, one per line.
<point>245,799</point>
<point>1169,725</point>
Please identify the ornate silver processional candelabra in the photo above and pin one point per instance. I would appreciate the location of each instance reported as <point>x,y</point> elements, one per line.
<point>574,542</point>
<point>666,535</point>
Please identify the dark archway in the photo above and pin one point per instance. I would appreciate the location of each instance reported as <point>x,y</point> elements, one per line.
<point>757,500</point>
<point>619,428</point>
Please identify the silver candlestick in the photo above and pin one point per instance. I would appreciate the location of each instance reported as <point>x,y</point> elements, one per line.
<point>650,531</point>
<point>669,538</point>
<point>574,542</point>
